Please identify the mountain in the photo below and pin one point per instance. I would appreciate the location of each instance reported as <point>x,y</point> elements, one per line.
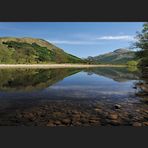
<point>119,56</point>
<point>31,50</point>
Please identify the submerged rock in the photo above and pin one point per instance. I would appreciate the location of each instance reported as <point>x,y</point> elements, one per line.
<point>135,87</point>
<point>117,106</point>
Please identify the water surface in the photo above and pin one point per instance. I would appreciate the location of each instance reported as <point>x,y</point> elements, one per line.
<point>96,96</point>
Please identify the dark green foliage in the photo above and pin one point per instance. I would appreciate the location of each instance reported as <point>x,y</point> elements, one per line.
<point>42,53</point>
<point>142,43</point>
<point>74,59</point>
<point>21,52</point>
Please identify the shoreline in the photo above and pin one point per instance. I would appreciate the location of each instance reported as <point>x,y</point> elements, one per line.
<point>56,65</point>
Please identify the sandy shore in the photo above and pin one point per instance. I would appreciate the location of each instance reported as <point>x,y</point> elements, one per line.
<point>54,65</point>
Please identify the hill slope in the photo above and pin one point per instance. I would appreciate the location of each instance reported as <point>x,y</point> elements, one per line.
<point>119,56</point>
<point>31,50</point>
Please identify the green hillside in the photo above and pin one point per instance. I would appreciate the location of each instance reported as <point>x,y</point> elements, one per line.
<point>119,56</point>
<point>31,50</point>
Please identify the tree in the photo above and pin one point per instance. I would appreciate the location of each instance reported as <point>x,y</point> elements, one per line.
<point>142,44</point>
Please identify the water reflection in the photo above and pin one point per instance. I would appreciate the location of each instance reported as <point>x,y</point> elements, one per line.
<point>142,86</point>
<point>71,83</point>
<point>31,79</point>
<point>72,96</point>
<point>117,74</point>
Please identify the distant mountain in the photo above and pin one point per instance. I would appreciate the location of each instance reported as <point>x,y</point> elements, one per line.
<point>30,50</point>
<point>119,56</point>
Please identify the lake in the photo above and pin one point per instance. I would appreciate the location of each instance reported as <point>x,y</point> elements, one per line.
<point>71,97</point>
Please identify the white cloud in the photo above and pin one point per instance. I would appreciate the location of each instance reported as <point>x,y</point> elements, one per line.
<point>120,37</point>
<point>73,42</point>
<point>93,40</point>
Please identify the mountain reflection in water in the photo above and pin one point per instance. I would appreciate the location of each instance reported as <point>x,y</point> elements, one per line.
<point>88,83</point>
<point>30,93</point>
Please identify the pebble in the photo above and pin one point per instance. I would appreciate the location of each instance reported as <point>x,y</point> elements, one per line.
<point>76,116</point>
<point>146,111</point>
<point>76,123</point>
<point>76,112</point>
<point>137,110</point>
<point>29,115</point>
<point>94,121</point>
<point>50,124</point>
<point>57,122</point>
<point>115,122</point>
<point>145,123</point>
<point>66,121</point>
<point>97,110</point>
<point>57,113</point>
<point>137,124</point>
<point>113,116</point>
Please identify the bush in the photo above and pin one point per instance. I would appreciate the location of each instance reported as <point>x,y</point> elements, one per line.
<point>132,63</point>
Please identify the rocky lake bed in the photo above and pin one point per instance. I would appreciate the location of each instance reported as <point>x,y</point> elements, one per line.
<point>71,113</point>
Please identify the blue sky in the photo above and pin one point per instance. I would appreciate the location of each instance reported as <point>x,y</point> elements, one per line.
<point>79,38</point>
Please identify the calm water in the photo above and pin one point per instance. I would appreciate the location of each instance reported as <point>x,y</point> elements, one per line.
<point>34,96</point>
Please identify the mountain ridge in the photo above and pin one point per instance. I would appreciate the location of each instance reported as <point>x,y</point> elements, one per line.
<point>118,56</point>
<point>33,50</point>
